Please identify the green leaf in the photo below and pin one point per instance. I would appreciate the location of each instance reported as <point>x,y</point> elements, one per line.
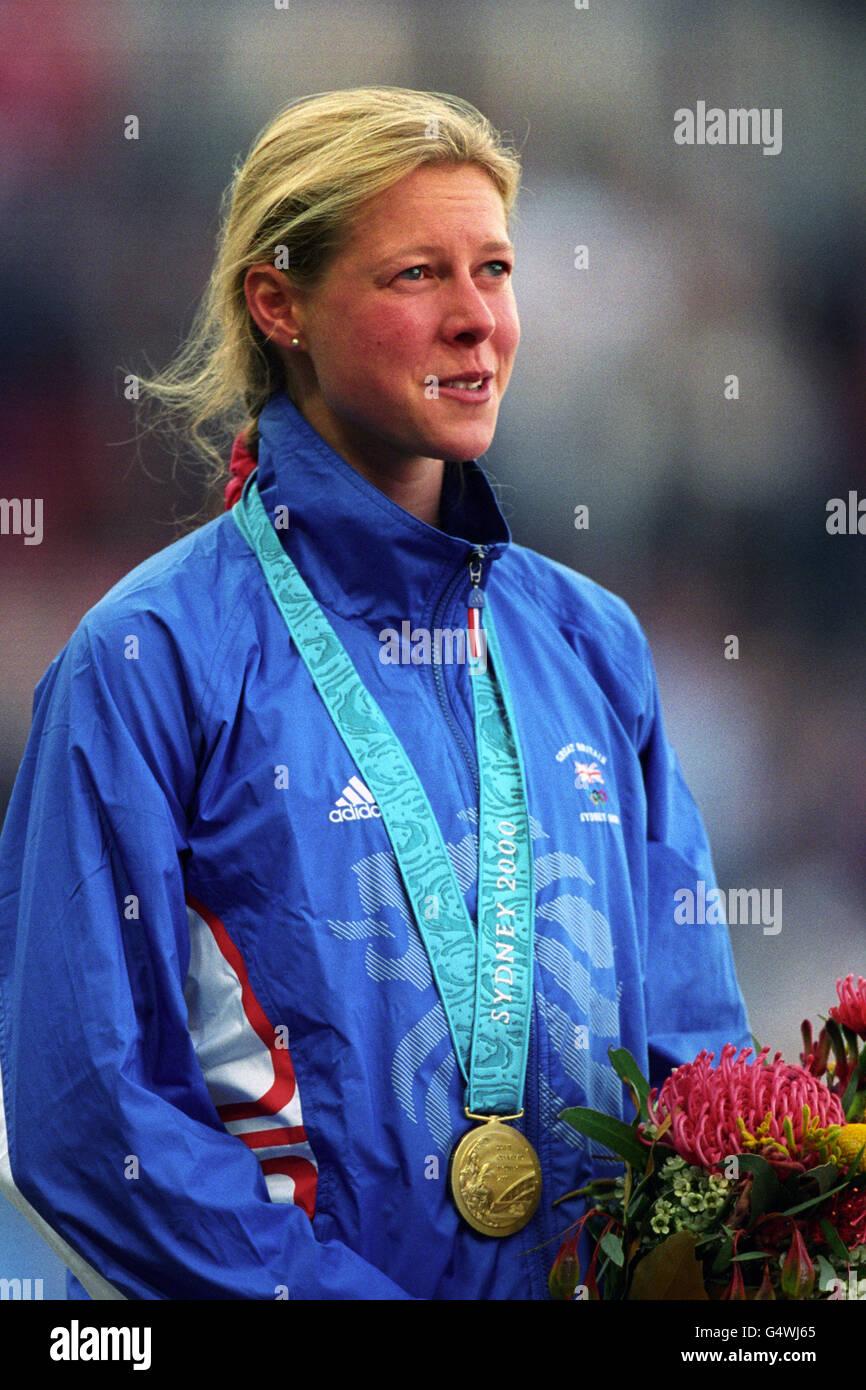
<point>670,1271</point>
<point>814,1201</point>
<point>826,1274</point>
<point>611,1278</point>
<point>856,1112</point>
<point>641,1195</point>
<point>723,1258</point>
<point>837,1041</point>
<point>620,1138</point>
<point>636,1206</point>
<point>612,1247</point>
<point>765,1185</point>
<point>858,1076</point>
<point>628,1071</point>
<point>835,1242</point>
<point>825,1176</point>
<point>644,1189</point>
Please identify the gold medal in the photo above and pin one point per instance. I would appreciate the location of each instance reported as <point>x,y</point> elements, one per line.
<point>495,1178</point>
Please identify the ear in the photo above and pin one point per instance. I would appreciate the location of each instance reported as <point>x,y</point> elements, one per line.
<point>273,304</point>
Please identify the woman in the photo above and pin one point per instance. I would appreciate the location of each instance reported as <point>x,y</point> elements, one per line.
<point>294,1039</point>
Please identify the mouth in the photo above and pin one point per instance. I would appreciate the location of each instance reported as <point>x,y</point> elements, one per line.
<point>472,387</point>
<point>470,382</point>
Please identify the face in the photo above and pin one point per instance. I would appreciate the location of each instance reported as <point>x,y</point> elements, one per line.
<point>419,299</point>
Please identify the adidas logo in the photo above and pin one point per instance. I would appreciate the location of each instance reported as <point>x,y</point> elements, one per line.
<point>356,803</point>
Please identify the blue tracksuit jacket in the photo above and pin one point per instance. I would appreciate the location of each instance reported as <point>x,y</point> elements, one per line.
<point>226,1072</point>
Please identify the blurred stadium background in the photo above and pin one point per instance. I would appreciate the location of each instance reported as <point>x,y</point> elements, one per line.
<point>707,516</point>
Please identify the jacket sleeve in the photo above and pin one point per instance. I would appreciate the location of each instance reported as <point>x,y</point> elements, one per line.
<point>109,1141</point>
<point>693,1000</point>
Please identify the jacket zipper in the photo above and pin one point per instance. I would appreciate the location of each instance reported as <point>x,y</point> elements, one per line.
<point>476,569</point>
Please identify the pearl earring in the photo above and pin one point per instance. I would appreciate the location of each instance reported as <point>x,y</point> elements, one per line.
<point>295,342</point>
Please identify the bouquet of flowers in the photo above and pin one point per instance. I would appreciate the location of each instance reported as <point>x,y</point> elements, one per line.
<point>746,1180</point>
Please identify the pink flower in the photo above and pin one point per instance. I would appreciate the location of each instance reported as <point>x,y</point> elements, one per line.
<point>851,1011</point>
<point>773,1108</point>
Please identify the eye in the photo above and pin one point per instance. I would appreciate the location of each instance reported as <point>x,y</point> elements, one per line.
<point>414,273</point>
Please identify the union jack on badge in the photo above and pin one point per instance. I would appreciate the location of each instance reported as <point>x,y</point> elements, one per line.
<point>586,774</point>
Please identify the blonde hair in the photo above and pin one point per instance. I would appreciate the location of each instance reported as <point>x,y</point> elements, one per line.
<point>293,202</point>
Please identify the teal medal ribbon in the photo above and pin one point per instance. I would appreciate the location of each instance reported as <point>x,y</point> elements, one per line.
<point>484,981</point>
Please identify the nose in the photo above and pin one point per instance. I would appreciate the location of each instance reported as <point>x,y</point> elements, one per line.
<point>466,314</point>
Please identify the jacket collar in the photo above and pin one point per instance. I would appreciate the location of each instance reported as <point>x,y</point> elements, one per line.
<point>362,555</point>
